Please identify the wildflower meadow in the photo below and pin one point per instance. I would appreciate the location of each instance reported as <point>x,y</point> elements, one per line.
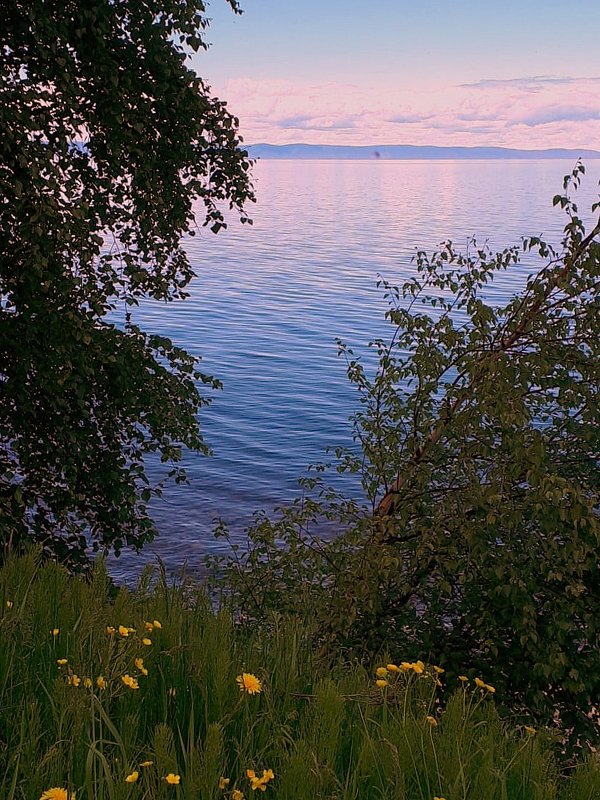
<point>150,694</point>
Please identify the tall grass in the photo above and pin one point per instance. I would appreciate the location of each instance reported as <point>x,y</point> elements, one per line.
<point>325,734</point>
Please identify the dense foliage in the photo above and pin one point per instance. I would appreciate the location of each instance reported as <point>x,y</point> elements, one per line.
<point>478,446</point>
<point>107,140</point>
<point>151,695</point>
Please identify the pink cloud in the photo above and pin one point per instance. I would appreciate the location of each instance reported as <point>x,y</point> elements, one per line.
<point>533,112</point>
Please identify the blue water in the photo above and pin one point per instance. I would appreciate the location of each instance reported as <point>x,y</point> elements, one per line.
<point>269,301</point>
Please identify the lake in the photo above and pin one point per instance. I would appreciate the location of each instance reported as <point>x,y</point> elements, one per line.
<point>269,301</point>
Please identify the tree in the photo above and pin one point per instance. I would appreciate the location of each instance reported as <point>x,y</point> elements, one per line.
<point>479,453</point>
<point>107,140</point>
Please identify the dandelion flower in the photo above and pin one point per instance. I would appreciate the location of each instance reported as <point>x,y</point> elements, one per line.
<point>55,631</point>
<point>431,720</point>
<point>418,667</point>
<point>490,689</point>
<point>156,624</point>
<point>132,777</point>
<point>73,680</point>
<point>237,795</point>
<point>129,681</point>
<point>405,666</point>
<point>110,630</point>
<point>123,631</point>
<point>57,794</point>
<point>392,668</point>
<point>149,626</point>
<point>139,663</point>
<point>381,672</point>
<point>249,683</point>
<point>463,678</point>
<point>439,798</point>
<point>260,783</point>
<point>9,603</point>
<point>146,763</point>
<point>223,783</point>
<point>382,683</point>
<point>480,683</point>
<point>61,661</point>
<point>146,641</point>
<point>529,729</point>
<point>101,682</point>
<point>439,670</point>
<point>172,778</point>
<point>87,682</point>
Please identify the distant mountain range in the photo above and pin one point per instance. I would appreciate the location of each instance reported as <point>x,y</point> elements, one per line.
<point>407,151</point>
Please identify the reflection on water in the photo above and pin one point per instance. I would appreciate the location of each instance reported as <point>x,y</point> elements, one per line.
<point>270,299</point>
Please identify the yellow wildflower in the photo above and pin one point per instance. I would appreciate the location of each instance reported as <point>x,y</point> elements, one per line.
<point>129,681</point>
<point>87,682</point>
<point>146,641</point>
<point>480,683</point>
<point>172,778</point>
<point>260,783</point>
<point>237,795</point>
<point>110,630</point>
<point>431,720</point>
<point>55,631</point>
<point>132,777</point>
<point>156,624</point>
<point>463,678</point>
<point>101,682</point>
<point>9,603</point>
<point>381,672</point>
<point>392,668</point>
<point>57,794</point>
<point>73,680</point>
<point>490,689</point>
<point>249,683</point>
<point>223,783</point>
<point>61,661</point>
<point>149,626</point>
<point>139,663</point>
<point>123,631</point>
<point>382,683</point>
<point>405,666</point>
<point>146,763</point>
<point>528,728</point>
<point>439,798</point>
<point>418,667</point>
<point>439,670</point>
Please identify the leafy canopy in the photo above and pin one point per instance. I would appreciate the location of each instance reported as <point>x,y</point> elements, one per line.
<point>107,140</point>
<point>477,439</point>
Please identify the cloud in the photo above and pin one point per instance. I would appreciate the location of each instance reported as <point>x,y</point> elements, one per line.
<point>526,82</point>
<point>528,112</point>
<point>543,116</point>
<point>410,119</point>
<point>305,122</point>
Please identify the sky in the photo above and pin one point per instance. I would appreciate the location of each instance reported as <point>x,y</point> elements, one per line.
<point>513,73</point>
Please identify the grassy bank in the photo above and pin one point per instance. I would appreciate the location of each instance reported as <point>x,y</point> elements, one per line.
<point>137,696</point>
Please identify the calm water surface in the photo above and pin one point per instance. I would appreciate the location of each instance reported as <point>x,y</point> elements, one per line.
<point>270,299</point>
